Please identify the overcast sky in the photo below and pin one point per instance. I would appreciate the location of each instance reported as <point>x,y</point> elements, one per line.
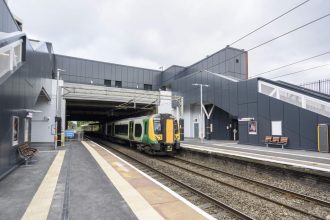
<point>154,33</point>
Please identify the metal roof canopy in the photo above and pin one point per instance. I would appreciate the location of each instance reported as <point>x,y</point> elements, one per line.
<point>98,102</point>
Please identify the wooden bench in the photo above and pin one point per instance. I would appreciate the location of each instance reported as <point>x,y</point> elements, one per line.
<point>26,152</point>
<point>275,140</point>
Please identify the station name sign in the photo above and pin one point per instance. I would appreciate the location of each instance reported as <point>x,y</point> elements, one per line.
<point>245,119</point>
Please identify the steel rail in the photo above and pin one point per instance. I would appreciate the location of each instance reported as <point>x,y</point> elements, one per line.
<point>220,204</point>
<point>243,190</point>
<point>277,189</point>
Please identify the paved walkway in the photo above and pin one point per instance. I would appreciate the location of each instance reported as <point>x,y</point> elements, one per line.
<point>296,158</point>
<point>85,181</point>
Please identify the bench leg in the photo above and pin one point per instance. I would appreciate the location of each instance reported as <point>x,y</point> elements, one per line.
<point>266,144</point>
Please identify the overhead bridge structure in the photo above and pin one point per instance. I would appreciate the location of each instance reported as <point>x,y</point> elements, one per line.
<point>275,108</point>
<point>100,103</point>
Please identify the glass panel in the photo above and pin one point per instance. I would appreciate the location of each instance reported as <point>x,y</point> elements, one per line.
<point>157,126</point>
<point>4,62</point>
<point>267,90</point>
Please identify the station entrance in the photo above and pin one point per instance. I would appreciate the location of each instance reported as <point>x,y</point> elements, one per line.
<point>105,104</point>
<point>222,125</point>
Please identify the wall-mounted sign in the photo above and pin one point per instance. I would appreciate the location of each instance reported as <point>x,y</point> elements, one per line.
<point>15,130</point>
<point>29,115</point>
<point>245,119</point>
<point>69,133</point>
<point>252,127</point>
<point>53,129</point>
<point>277,128</point>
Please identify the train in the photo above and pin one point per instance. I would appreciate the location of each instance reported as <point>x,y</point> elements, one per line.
<point>157,134</point>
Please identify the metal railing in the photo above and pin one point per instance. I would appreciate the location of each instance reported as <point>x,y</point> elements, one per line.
<point>321,86</point>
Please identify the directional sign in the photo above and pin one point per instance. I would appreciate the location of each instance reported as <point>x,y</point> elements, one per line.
<point>69,133</point>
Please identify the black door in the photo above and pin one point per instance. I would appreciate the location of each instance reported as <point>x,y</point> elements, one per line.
<point>131,125</point>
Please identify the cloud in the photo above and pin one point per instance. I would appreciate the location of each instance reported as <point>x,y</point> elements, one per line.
<point>154,33</point>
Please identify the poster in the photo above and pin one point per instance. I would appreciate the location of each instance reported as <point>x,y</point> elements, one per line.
<point>26,129</point>
<point>252,127</point>
<point>277,128</point>
<point>15,130</point>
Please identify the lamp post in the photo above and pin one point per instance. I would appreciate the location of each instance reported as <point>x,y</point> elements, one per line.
<point>57,105</point>
<point>202,118</point>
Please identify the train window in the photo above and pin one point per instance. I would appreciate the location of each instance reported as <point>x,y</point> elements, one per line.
<point>121,129</point>
<point>157,126</point>
<point>176,129</point>
<point>138,130</point>
<point>145,127</point>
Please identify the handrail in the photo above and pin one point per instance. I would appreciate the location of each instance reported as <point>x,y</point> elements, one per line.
<point>298,89</point>
<point>7,38</point>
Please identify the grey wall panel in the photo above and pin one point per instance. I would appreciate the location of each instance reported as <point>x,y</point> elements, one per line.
<point>252,110</point>
<point>243,134</point>
<point>276,110</point>
<point>243,110</point>
<point>263,106</point>
<point>323,120</point>
<point>99,71</point>
<point>290,125</point>
<point>252,90</point>
<point>264,129</point>
<point>233,99</point>
<point>19,91</point>
<point>308,123</point>
<point>242,92</point>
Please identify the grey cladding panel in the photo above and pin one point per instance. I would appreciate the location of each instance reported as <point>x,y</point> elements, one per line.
<point>233,101</point>
<point>290,125</point>
<point>308,127</point>
<point>276,109</point>
<point>242,92</point>
<point>252,87</point>
<point>263,106</point>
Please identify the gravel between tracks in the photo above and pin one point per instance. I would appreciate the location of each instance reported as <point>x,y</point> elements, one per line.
<point>245,202</point>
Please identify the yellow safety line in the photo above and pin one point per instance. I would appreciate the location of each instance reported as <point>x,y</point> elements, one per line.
<point>42,199</point>
<point>141,208</point>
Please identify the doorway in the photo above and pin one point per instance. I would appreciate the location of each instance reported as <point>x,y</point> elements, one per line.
<point>196,130</point>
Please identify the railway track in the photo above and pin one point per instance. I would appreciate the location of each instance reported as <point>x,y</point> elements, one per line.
<point>294,202</point>
<point>198,169</point>
<point>236,214</point>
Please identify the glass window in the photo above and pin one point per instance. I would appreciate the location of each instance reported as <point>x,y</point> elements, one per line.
<point>176,129</point>
<point>26,129</point>
<point>15,130</point>
<point>157,126</point>
<point>118,84</point>
<point>121,129</point>
<point>147,87</point>
<point>107,82</point>
<point>138,130</point>
<point>145,127</point>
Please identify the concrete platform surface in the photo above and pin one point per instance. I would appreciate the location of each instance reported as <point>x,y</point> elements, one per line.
<point>300,160</point>
<point>86,181</point>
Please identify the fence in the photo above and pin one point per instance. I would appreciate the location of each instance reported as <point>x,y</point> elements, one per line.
<point>322,86</point>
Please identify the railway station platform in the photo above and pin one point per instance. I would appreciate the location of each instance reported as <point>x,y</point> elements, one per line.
<point>86,181</point>
<point>298,160</point>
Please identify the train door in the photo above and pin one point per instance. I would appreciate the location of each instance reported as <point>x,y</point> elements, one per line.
<point>131,125</point>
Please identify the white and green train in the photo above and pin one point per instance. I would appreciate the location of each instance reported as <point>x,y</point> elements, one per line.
<point>154,134</point>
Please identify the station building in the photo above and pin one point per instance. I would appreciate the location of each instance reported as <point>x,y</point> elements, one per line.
<point>234,107</point>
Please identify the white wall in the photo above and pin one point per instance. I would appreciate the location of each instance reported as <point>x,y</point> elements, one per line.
<point>165,104</point>
<point>42,122</point>
<point>191,115</point>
